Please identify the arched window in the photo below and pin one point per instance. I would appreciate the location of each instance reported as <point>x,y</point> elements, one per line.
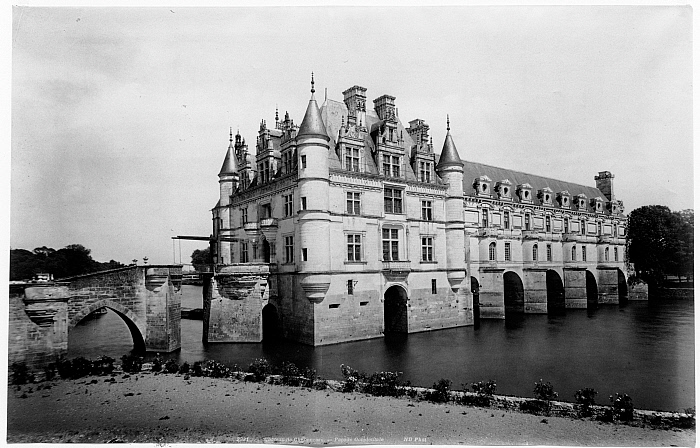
<point>607,254</point>
<point>492,252</point>
<point>534,252</point>
<point>573,253</point>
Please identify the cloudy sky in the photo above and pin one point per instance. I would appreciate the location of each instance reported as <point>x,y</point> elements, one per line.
<point>120,117</point>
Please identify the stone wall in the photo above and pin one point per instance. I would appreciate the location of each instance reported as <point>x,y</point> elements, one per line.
<point>38,325</point>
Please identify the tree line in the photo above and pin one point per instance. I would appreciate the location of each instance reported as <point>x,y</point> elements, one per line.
<point>74,259</point>
<point>660,243</point>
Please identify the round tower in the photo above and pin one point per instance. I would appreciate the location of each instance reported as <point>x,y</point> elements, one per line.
<point>228,183</point>
<point>314,219</point>
<point>451,171</point>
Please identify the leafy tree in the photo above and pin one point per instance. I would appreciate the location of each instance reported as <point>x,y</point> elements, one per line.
<point>660,242</point>
<point>74,259</point>
<point>23,264</point>
<point>201,257</point>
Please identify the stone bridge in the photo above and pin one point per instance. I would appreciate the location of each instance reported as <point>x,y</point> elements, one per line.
<point>147,298</point>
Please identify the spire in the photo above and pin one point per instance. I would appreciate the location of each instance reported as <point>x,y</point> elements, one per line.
<point>230,135</point>
<point>229,166</point>
<point>312,124</point>
<point>449,155</point>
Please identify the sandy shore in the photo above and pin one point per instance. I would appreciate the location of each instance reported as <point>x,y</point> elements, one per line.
<point>150,408</point>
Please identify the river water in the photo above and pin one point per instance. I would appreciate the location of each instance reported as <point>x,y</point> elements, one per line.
<point>643,349</point>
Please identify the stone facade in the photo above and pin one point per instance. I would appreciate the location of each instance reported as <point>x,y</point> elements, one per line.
<point>364,230</point>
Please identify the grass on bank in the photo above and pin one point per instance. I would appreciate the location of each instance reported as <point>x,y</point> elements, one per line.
<point>381,384</point>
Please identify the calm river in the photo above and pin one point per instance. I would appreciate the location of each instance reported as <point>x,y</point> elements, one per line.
<point>643,349</point>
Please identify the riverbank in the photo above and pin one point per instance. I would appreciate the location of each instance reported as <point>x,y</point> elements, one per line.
<point>159,408</point>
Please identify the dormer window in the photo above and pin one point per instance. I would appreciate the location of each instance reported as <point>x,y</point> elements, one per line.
<point>425,171</point>
<point>581,201</point>
<point>613,207</point>
<point>597,204</point>
<point>524,192</point>
<point>482,186</point>
<point>564,199</point>
<point>352,158</point>
<point>391,166</point>
<point>503,189</point>
<point>545,196</point>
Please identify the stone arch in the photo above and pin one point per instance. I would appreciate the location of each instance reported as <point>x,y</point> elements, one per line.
<point>395,309</point>
<point>555,293</point>
<point>475,304</point>
<point>591,290</point>
<point>513,293</point>
<point>136,328</point>
<point>270,323</point>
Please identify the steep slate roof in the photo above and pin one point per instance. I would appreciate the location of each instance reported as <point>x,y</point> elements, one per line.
<point>229,165</point>
<point>449,155</point>
<point>472,170</point>
<point>312,124</point>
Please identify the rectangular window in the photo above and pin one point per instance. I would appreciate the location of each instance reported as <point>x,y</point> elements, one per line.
<point>352,159</point>
<point>583,253</point>
<point>393,200</point>
<point>350,287</point>
<point>244,216</point>
<point>615,252</point>
<point>506,219</point>
<point>265,211</point>
<point>273,252</point>
<point>354,243</point>
<point>303,203</point>
<point>427,248</point>
<point>391,166</point>
<point>304,255</point>
<point>426,210</point>
<point>484,218</point>
<point>433,283</point>
<point>507,251</point>
<point>244,252</point>
<point>425,171</point>
<point>390,244</point>
<point>353,203</point>
<point>303,161</point>
<point>288,205</point>
<point>289,249</point>
<point>549,252</point>
<point>548,224</point>
<point>527,221</point>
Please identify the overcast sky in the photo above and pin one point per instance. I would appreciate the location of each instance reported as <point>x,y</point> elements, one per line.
<point>120,117</point>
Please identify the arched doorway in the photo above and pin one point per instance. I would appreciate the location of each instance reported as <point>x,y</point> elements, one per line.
<point>475,294</point>
<point>395,310</point>
<point>591,291</point>
<point>621,287</point>
<point>270,323</point>
<point>513,293</point>
<point>555,293</point>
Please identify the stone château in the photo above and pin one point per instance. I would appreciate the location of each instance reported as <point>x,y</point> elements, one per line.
<point>350,226</point>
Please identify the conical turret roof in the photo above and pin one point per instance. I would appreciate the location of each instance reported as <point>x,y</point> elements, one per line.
<point>449,155</point>
<point>312,124</point>
<point>229,166</point>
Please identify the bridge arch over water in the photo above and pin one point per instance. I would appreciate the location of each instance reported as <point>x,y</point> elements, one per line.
<point>395,309</point>
<point>136,326</point>
<point>513,293</point>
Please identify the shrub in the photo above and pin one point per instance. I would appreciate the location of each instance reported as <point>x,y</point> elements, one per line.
<point>352,378</point>
<point>484,391</point>
<point>320,384</point>
<point>81,367</point>
<point>157,365</point>
<point>260,368</point>
<point>171,366</point>
<point>383,384</point>
<point>197,369</point>
<point>441,394</point>
<point>484,387</point>
<point>536,407</point>
<point>131,363</point>
<point>623,408</point>
<point>184,368</point>
<point>215,369</point>
<point>104,365</point>
<point>20,373</point>
<point>290,374</point>
<point>585,398</point>
<point>64,368</point>
<point>50,371</point>
<point>308,376</point>
<point>545,391</point>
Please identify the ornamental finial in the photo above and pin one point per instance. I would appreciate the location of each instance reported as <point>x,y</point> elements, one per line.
<point>312,83</point>
<point>230,134</point>
<point>448,122</point>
